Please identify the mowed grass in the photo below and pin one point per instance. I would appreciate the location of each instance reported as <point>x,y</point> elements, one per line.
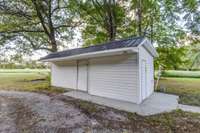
<point>36,80</point>
<point>45,71</point>
<point>182,74</point>
<point>188,89</point>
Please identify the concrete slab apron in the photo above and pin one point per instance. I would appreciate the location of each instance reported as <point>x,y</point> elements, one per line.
<point>156,103</point>
<point>189,108</point>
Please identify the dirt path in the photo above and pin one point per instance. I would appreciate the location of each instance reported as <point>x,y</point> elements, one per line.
<point>32,112</point>
<point>26,112</point>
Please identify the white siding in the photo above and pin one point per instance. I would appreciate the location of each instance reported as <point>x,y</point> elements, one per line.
<point>117,77</point>
<point>144,55</point>
<point>64,75</point>
<point>82,80</point>
<point>114,77</point>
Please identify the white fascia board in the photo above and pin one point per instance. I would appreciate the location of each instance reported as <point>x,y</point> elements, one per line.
<point>96,54</point>
<point>149,47</point>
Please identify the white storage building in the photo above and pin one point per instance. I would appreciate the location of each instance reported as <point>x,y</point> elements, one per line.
<point>120,69</point>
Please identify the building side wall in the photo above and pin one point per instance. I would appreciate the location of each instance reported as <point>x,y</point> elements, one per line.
<point>147,57</point>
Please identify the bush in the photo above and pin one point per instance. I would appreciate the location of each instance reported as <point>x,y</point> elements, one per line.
<point>48,77</point>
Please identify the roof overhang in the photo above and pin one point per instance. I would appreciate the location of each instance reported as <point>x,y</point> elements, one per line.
<point>149,47</point>
<point>111,52</point>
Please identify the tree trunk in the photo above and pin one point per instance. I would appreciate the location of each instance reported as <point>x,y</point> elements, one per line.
<point>48,27</point>
<point>152,30</point>
<point>175,67</point>
<point>54,47</point>
<point>111,21</point>
<point>51,28</point>
<point>139,14</point>
<point>112,27</point>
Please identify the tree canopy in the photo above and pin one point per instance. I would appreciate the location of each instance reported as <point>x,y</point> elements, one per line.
<point>35,24</point>
<point>173,26</point>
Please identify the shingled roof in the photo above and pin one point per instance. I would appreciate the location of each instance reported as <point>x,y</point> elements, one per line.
<point>129,42</point>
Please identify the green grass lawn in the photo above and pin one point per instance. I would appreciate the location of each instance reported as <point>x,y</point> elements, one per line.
<point>45,71</point>
<point>188,89</point>
<point>26,80</point>
<point>183,74</point>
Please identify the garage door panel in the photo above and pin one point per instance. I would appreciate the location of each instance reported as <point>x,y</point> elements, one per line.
<point>63,76</point>
<point>114,77</point>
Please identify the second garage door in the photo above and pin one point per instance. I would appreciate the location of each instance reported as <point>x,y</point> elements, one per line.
<point>114,77</point>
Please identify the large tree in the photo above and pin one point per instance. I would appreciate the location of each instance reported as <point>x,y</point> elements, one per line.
<point>41,24</point>
<point>192,24</point>
<point>104,20</point>
<point>107,20</point>
<point>37,24</point>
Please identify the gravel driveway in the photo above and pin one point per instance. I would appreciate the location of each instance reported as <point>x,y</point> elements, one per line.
<point>27,112</point>
<point>38,113</point>
<point>32,112</point>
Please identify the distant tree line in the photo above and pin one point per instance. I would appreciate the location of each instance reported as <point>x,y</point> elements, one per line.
<point>30,64</point>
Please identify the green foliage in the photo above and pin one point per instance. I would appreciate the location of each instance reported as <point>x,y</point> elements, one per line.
<point>170,24</point>
<point>192,20</point>
<point>159,22</point>
<point>193,54</point>
<point>95,14</point>
<point>48,77</point>
<point>171,57</point>
<point>104,20</point>
<point>191,4</point>
<point>33,25</point>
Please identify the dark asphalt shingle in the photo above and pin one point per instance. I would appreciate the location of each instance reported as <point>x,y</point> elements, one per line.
<point>129,42</point>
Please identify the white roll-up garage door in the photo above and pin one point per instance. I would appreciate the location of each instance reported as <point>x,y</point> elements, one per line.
<point>82,83</point>
<point>114,77</point>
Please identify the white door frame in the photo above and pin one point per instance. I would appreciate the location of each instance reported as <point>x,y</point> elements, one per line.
<point>143,79</point>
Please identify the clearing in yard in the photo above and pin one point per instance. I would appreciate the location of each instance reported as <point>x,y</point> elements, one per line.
<point>54,112</point>
<point>188,89</point>
<point>26,80</point>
